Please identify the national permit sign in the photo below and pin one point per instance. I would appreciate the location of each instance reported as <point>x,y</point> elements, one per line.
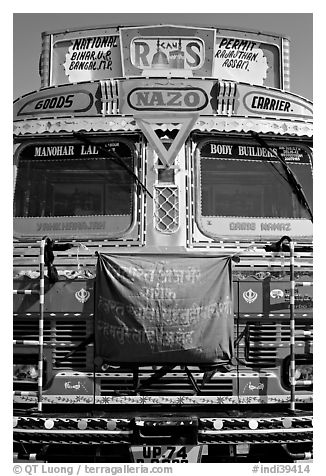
<point>156,309</point>
<point>86,57</point>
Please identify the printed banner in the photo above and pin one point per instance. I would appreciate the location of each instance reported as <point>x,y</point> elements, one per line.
<point>163,309</point>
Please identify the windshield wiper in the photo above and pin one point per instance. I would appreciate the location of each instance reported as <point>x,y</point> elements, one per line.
<point>110,154</point>
<point>291,178</point>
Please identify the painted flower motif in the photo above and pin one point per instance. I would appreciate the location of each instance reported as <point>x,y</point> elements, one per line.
<point>105,400</point>
<point>219,400</point>
<point>164,400</point>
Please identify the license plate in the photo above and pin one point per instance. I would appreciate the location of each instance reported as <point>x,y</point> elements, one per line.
<point>166,454</point>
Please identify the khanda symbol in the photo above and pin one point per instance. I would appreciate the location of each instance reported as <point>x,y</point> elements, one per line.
<point>250,296</point>
<point>82,295</point>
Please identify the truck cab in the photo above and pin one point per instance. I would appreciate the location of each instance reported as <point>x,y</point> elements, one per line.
<point>163,250</point>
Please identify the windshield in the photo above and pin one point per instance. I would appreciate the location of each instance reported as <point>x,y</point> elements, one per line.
<point>245,180</point>
<point>74,180</point>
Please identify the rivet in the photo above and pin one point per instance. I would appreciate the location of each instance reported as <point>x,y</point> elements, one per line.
<point>253,424</point>
<point>218,424</point>
<point>49,424</point>
<point>111,425</point>
<point>82,424</point>
<point>287,422</point>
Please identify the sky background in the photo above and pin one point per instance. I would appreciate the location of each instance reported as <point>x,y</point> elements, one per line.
<point>28,27</point>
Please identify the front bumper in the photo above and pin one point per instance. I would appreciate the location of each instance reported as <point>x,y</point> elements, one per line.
<point>224,438</point>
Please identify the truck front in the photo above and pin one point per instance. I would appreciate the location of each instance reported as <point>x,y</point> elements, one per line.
<point>163,250</point>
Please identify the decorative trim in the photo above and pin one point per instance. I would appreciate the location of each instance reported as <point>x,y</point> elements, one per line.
<point>286,64</point>
<point>221,424</point>
<point>110,97</point>
<point>128,123</point>
<point>72,124</point>
<point>226,98</point>
<point>59,399</point>
<point>162,400</point>
<point>166,208</point>
<point>246,124</point>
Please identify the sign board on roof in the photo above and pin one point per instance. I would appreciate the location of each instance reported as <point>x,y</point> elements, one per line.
<point>242,60</point>
<point>164,50</point>
<point>85,56</point>
<point>167,50</point>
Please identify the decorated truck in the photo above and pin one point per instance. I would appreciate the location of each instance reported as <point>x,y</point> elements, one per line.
<point>163,250</point>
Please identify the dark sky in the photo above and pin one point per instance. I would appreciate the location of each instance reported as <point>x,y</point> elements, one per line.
<point>27,29</point>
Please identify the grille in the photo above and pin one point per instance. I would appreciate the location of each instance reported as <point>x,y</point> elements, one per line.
<point>264,342</point>
<point>173,383</point>
<point>167,209</point>
<point>28,330</point>
<point>64,335</point>
<point>263,345</point>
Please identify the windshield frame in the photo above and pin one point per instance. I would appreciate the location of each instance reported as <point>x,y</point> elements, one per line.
<point>80,227</point>
<point>240,227</point>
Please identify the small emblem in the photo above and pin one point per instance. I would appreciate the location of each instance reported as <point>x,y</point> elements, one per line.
<point>263,274</point>
<point>277,293</point>
<point>250,296</point>
<point>69,386</point>
<point>256,387</point>
<point>82,295</point>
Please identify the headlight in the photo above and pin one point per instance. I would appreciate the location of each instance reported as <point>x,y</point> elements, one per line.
<point>303,371</point>
<point>25,368</point>
<point>25,372</point>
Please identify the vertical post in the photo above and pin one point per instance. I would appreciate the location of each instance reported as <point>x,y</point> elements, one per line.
<point>292,327</point>
<point>41,326</point>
